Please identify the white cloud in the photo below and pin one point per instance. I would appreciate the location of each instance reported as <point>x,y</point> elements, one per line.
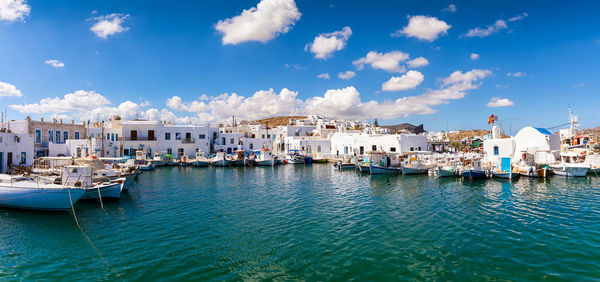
<point>450,8</point>
<point>385,61</point>
<point>346,75</point>
<point>516,74</point>
<point>78,101</point>
<point>424,28</point>
<point>9,90</point>
<point>500,102</point>
<point>518,17</point>
<point>489,30</point>
<point>13,10</point>
<point>109,25</point>
<point>418,62</point>
<point>474,56</point>
<point>261,23</point>
<point>581,84</point>
<point>323,76</point>
<point>296,67</point>
<point>55,63</point>
<point>326,44</point>
<point>410,80</point>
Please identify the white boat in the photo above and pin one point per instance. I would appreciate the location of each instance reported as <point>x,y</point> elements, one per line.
<point>82,176</point>
<point>200,160</point>
<point>158,160</point>
<point>220,159</point>
<point>504,169</point>
<point>570,165</point>
<point>265,158</point>
<point>345,165</point>
<point>108,190</point>
<point>26,193</point>
<point>414,170</point>
<point>294,158</point>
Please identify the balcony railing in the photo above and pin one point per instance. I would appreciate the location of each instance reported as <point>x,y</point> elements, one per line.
<point>188,140</point>
<point>137,139</point>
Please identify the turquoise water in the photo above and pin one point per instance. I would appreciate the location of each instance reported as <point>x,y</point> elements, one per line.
<point>314,223</point>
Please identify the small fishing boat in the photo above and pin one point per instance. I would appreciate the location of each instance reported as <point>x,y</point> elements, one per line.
<point>158,161</point>
<point>363,167</point>
<point>504,170</point>
<point>294,158</point>
<point>414,166</point>
<point>265,158</point>
<point>27,193</point>
<point>344,165</point>
<point>377,169</point>
<point>200,160</point>
<point>570,165</point>
<point>220,159</point>
<point>473,170</point>
<point>318,160</point>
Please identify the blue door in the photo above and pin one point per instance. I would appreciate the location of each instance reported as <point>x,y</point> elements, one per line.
<point>505,164</point>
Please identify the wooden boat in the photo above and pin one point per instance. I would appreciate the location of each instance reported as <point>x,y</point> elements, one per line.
<point>414,170</point>
<point>377,169</point>
<point>570,165</point>
<point>319,160</point>
<point>220,160</point>
<point>294,158</point>
<point>265,158</point>
<point>26,193</point>
<point>504,170</point>
<point>473,174</point>
<point>538,171</point>
<point>344,166</point>
<point>363,167</point>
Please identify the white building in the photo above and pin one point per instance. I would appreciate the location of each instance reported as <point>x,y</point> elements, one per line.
<point>530,145</point>
<point>15,149</point>
<point>353,143</point>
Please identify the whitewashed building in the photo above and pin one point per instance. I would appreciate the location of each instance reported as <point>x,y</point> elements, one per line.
<point>353,143</point>
<point>15,149</point>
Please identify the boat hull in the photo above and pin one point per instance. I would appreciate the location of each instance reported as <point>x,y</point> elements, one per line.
<point>238,162</point>
<point>107,191</point>
<point>319,161</point>
<point>570,171</point>
<point>345,166</point>
<point>264,162</point>
<point>505,175</point>
<point>412,171</point>
<point>220,163</point>
<point>375,169</point>
<point>128,180</point>
<point>363,168</point>
<point>536,173</point>
<point>46,199</point>
<point>199,163</point>
<point>474,174</point>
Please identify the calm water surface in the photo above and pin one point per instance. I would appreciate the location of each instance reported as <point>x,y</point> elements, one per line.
<point>314,223</point>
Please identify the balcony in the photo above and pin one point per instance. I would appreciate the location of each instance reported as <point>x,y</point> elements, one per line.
<point>188,140</point>
<point>137,138</point>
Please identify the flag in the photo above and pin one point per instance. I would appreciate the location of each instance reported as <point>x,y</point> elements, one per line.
<point>491,119</point>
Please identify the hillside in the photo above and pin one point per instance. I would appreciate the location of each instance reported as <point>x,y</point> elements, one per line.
<point>455,137</point>
<point>276,121</point>
<point>403,127</point>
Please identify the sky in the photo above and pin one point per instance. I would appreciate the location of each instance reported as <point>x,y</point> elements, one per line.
<point>446,64</point>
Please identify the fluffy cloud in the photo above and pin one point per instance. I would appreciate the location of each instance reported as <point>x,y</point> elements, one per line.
<point>325,44</point>
<point>499,102</point>
<point>424,28</point>
<point>78,101</point>
<point>417,62</point>
<point>474,56</point>
<point>489,30</point>
<point>450,8</point>
<point>13,10</point>
<point>323,76</point>
<point>385,61</point>
<point>516,74</point>
<point>261,23</point>
<point>410,80</point>
<point>109,25</point>
<point>55,63</point>
<point>346,75</point>
<point>9,90</point>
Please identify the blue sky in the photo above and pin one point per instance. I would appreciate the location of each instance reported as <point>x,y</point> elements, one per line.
<point>184,61</point>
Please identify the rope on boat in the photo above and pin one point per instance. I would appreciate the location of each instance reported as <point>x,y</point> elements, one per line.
<point>100,197</point>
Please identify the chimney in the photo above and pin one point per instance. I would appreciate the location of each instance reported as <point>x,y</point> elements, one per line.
<point>72,122</point>
<point>60,120</point>
<point>54,120</point>
<point>42,119</point>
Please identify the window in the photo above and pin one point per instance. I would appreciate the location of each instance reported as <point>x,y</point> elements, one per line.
<point>76,135</point>
<point>126,152</point>
<point>374,148</point>
<point>38,136</point>
<point>117,136</point>
<point>412,149</point>
<point>251,146</point>
<point>496,150</point>
<point>231,141</point>
<point>392,149</point>
<point>223,141</point>
<point>58,137</point>
<point>201,136</point>
<point>23,158</point>
<point>66,133</point>
<point>112,137</point>
<point>50,136</point>
<point>107,136</point>
<point>263,136</point>
<point>180,152</point>
<point>318,148</point>
<point>419,148</point>
<point>269,136</point>
<point>169,151</point>
<point>167,135</point>
<point>178,136</point>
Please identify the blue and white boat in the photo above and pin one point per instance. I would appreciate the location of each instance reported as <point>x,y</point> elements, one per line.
<point>26,193</point>
<point>220,159</point>
<point>377,169</point>
<point>473,170</point>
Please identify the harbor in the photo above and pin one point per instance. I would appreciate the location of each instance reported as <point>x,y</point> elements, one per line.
<point>313,222</point>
